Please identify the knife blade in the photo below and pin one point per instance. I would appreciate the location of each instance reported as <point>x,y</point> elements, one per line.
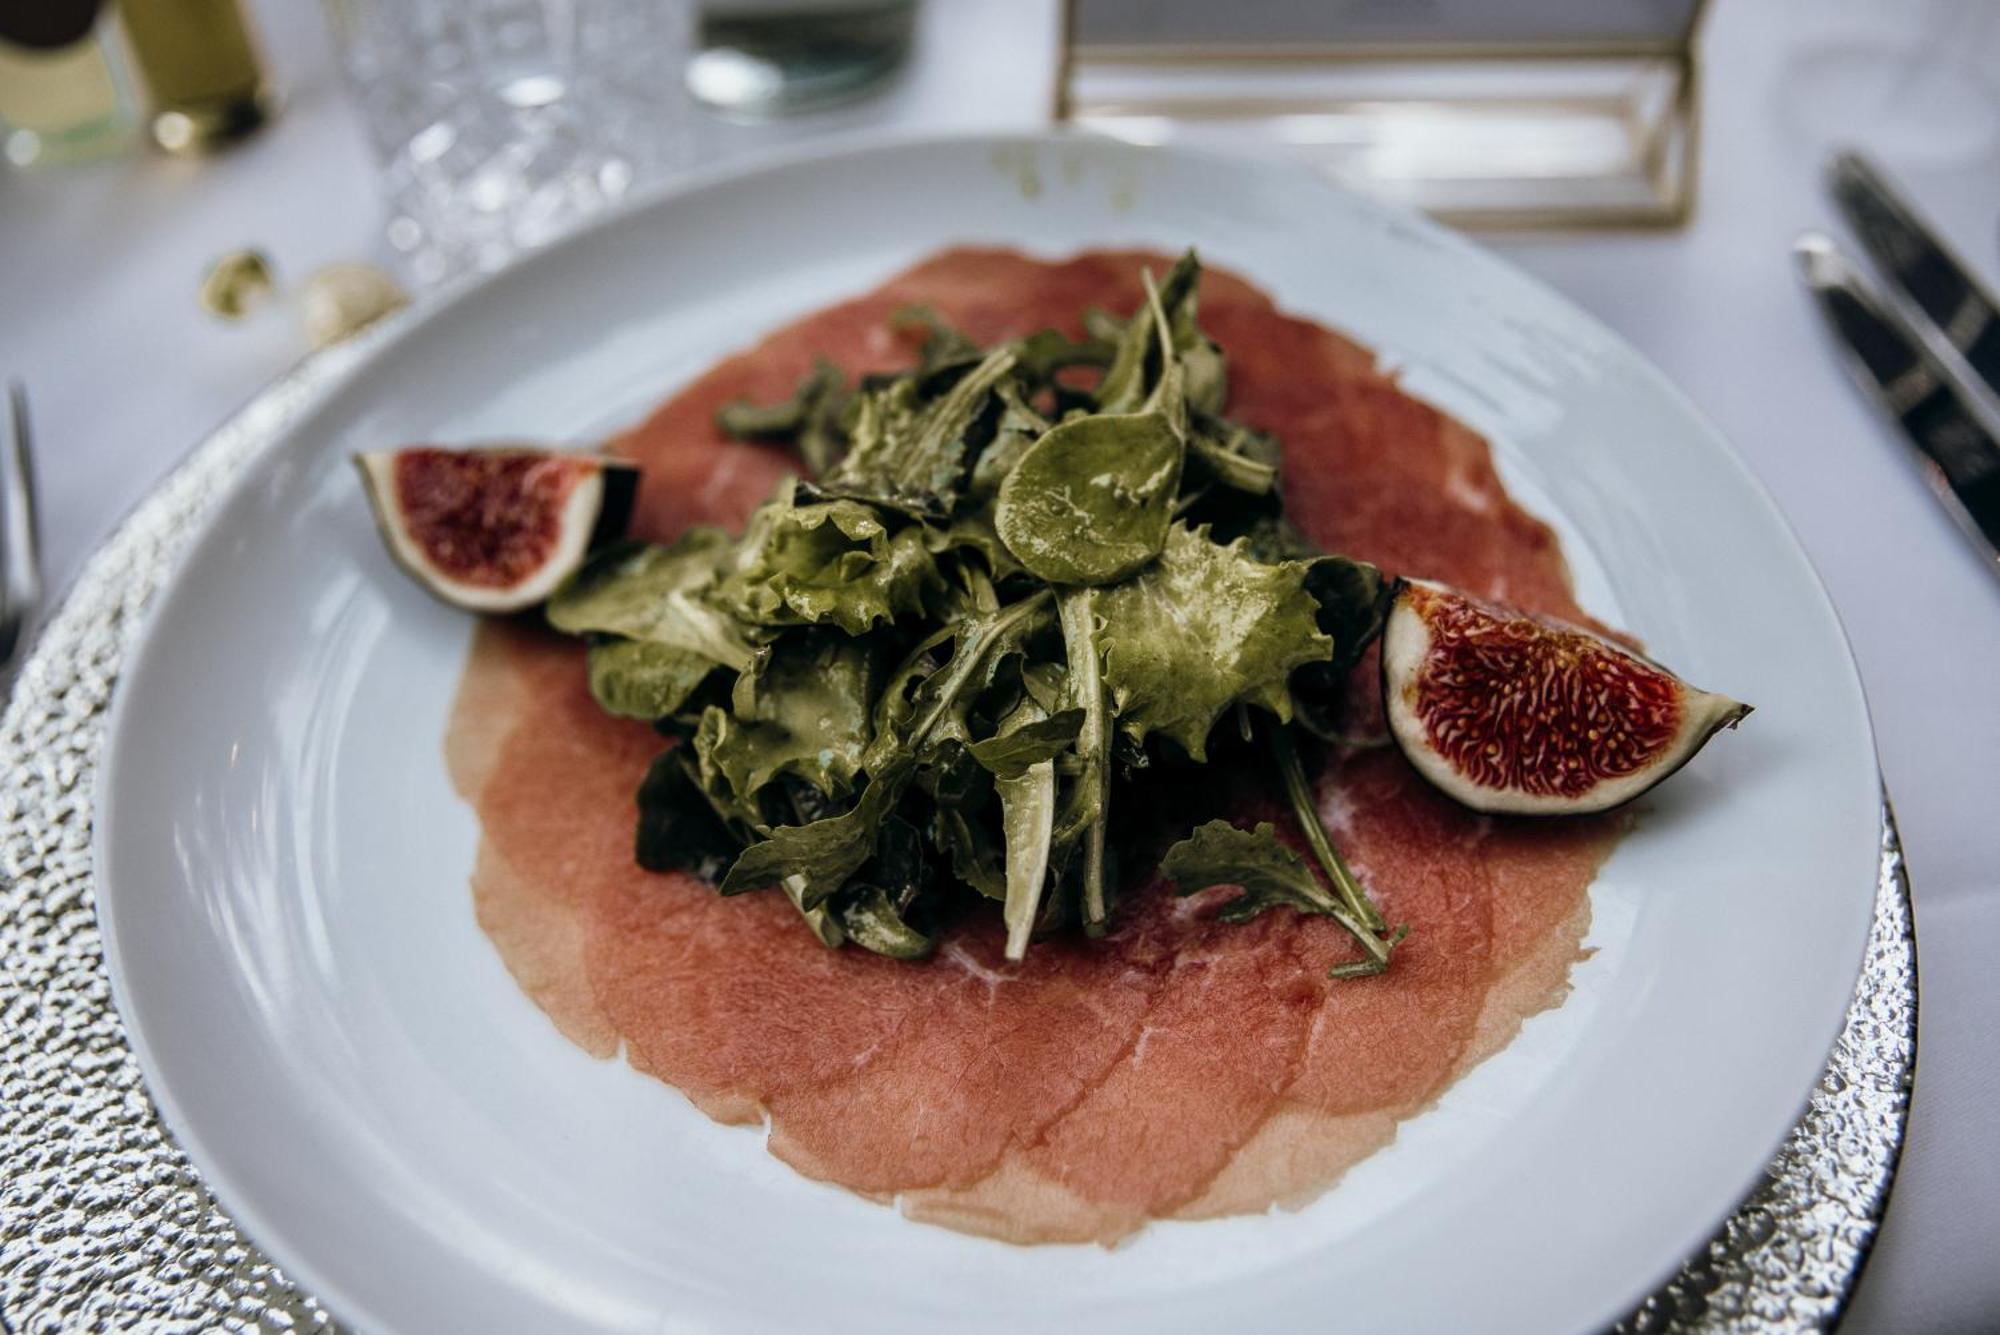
<point>1956,435</point>
<point>1911,255</point>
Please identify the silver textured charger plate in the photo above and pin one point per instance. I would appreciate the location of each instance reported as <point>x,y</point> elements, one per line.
<point>104,1224</point>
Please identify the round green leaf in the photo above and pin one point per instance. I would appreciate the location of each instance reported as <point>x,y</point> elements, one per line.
<point>1089,503</point>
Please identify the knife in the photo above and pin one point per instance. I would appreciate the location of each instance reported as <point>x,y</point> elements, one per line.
<point>1957,435</point>
<point>1911,256</point>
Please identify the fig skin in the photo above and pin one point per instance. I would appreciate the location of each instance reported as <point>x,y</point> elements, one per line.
<point>1404,652</point>
<point>600,505</point>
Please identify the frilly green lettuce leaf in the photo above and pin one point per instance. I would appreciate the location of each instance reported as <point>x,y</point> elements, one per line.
<point>1202,628</point>
<point>801,708</point>
<point>834,561</point>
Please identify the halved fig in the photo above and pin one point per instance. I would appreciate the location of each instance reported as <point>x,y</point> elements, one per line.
<point>497,529</point>
<point>1513,714</point>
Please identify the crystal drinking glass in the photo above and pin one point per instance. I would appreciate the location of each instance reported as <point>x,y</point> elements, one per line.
<point>500,124</point>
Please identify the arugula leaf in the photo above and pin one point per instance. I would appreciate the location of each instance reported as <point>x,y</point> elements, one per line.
<point>1136,363</point>
<point>1269,875</point>
<point>1207,369</point>
<point>928,698</point>
<point>809,420</point>
<point>1231,455</point>
<point>872,908</point>
<point>1013,751</point>
<point>1027,819</point>
<point>656,594</point>
<point>821,919</point>
<point>1089,809</point>
<point>899,868</point>
<point>961,823</point>
<point>811,862</point>
<point>870,920</point>
<point>1200,629</point>
<point>1090,502</point>
<point>829,561</point>
<point>1305,812</point>
<point>1046,351</point>
<point>945,351</point>
<point>678,830</point>
<point>643,680</point>
<point>912,454</point>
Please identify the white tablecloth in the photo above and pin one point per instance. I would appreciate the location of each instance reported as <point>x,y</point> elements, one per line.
<point>98,266</point>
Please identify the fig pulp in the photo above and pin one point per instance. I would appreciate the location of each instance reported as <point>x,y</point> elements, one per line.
<point>1511,714</point>
<point>495,530</point>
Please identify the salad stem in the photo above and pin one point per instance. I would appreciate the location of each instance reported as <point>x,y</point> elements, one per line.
<point>1306,811</point>
<point>980,637</point>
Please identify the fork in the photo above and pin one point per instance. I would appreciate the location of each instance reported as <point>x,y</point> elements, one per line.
<point>20,547</point>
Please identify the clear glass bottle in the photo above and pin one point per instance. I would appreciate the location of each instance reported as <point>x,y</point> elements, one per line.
<point>201,70</point>
<point>60,95</point>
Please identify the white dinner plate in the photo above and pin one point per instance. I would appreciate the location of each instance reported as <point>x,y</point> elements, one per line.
<point>283,863</point>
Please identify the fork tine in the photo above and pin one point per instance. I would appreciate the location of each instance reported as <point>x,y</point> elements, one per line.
<point>20,544</point>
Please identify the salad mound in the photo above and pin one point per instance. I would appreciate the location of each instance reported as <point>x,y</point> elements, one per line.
<point>928,671</point>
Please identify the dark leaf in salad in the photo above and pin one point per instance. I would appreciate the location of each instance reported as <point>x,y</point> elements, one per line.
<point>678,830</point>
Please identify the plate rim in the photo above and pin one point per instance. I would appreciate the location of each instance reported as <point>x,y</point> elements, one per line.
<point>363,355</point>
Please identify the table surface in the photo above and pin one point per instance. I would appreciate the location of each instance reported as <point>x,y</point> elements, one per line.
<point>99,266</point>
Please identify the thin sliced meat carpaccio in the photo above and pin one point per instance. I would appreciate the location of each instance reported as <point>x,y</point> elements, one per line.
<point>1178,1067</point>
